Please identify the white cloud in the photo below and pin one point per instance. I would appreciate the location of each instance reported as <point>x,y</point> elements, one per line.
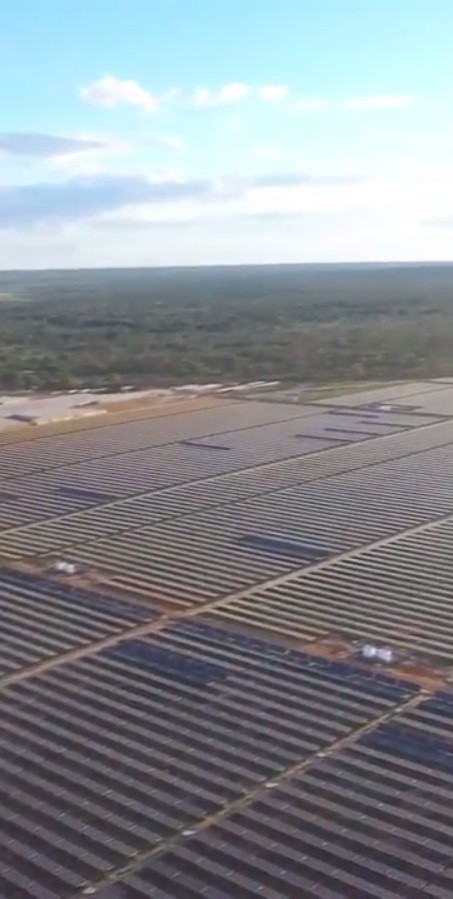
<point>111,92</point>
<point>104,159</point>
<point>323,238</point>
<point>202,97</point>
<point>320,219</point>
<point>387,200</point>
<point>230,93</point>
<point>177,144</point>
<point>382,101</point>
<point>236,92</point>
<point>311,105</point>
<point>273,93</point>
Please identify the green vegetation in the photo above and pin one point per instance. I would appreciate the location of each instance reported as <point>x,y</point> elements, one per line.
<point>292,323</point>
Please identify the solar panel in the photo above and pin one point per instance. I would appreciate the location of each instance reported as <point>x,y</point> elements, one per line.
<point>89,496</point>
<point>114,753</point>
<point>208,446</point>
<point>169,662</point>
<point>7,497</point>
<point>281,546</point>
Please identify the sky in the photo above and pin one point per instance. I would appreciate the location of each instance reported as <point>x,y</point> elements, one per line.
<point>195,132</point>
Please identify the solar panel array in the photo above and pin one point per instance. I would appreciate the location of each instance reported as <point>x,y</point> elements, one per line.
<point>109,755</point>
<point>149,757</point>
<point>64,521</point>
<point>41,620</point>
<point>54,476</point>
<point>205,554</point>
<point>400,591</point>
<point>50,452</point>
<point>373,819</point>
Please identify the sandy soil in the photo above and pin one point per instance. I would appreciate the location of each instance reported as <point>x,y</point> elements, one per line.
<point>111,414</point>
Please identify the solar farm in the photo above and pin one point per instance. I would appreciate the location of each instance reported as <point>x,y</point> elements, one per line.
<point>187,707</point>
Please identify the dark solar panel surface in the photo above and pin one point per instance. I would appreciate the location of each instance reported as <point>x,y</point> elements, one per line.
<point>40,619</point>
<point>86,496</point>
<point>373,819</point>
<point>7,497</point>
<point>281,547</point>
<point>208,446</point>
<point>56,476</point>
<point>108,755</point>
<point>154,494</point>
<point>111,755</point>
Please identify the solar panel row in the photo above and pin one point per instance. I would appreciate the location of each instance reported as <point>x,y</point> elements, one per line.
<point>53,452</point>
<point>208,554</point>
<point>108,756</point>
<point>74,523</point>
<point>67,490</point>
<point>115,754</point>
<point>40,619</point>
<point>148,455</point>
<point>400,591</point>
<point>373,819</point>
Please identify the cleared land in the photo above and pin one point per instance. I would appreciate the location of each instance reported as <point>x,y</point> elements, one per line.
<point>187,715</point>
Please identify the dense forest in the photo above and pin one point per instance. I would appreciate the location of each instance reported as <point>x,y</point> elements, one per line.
<point>292,323</point>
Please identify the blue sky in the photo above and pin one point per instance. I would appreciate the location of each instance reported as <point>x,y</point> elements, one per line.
<point>167,132</point>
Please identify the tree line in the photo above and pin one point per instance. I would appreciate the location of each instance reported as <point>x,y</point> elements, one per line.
<point>63,330</point>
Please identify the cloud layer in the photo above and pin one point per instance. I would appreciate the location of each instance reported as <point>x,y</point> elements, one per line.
<point>281,216</point>
<point>44,145</point>
<point>84,197</point>
<point>110,92</point>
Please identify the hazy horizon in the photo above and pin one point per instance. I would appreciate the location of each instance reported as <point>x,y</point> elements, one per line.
<point>231,266</point>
